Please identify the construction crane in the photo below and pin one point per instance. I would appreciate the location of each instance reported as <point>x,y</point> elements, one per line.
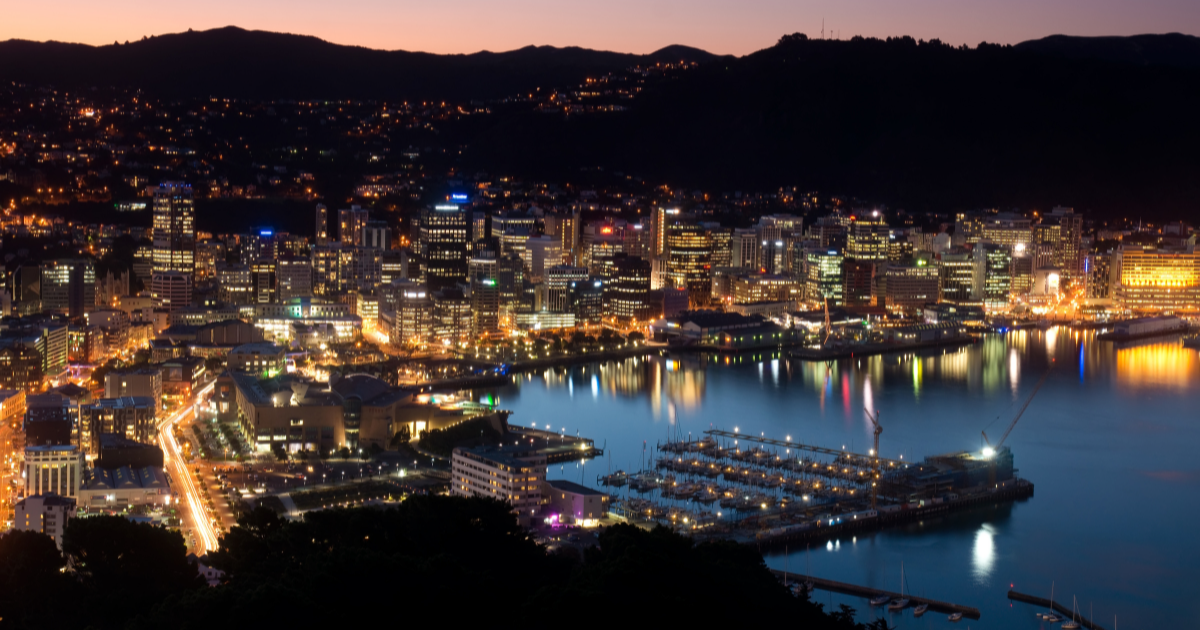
<point>875,455</point>
<point>990,450</point>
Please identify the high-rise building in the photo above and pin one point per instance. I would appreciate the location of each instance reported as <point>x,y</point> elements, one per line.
<point>629,292</point>
<point>377,234</point>
<point>174,228</point>
<point>1101,279</point>
<point>600,244</point>
<point>452,321</point>
<point>171,290</point>
<point>662,217</point>
<point>957,272</point>
<point>1156,280</point>
<point>1068,255</point>
<point>414,312</point>
<point>69,287</point>
<point>722,244</point>
<point>131,417</point>
<point>483,273</point>
<point>906,287</point>
<point>638,240</point>
<point>559,280</point>
<point>587,300</point>
<point>541,253</point>
<point>868,238</point>
<point>744,249</point>
<point>53,469</point>
<point>444,233</point>
<point>263,278</point>
<point>294,275</point>
<point>234,285</point>
<point>689,260</point>
<point>322,236</point>
<point>351,223</point>
<point>824,281</point>
<point>512,280</point>
<point>993,274</point>
<point>857,289</point>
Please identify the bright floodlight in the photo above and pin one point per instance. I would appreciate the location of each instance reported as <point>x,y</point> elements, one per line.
<point>988,451</point>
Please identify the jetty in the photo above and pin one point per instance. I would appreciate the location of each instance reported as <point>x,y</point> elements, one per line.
<point>1058,608</point>
<point>868,592</point>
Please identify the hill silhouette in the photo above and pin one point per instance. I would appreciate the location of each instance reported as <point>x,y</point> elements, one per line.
<point>1171,49</point>
<point>920,125</point>
<point>233,62</point>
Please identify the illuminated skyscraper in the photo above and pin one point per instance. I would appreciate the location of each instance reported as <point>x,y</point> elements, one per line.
<point>824,281</point>
<point>993,274</point>
<point>689,260</point>
<point>351,224</point>
<point>444,232</point>
<point>322,224</point>
<point>174,228</point>
<point>69,287</point>
<point>483,273</point>
<point>868,238</point>
<point>629,292</point>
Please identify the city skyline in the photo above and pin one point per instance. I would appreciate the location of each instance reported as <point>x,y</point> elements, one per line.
<point>720,27</point>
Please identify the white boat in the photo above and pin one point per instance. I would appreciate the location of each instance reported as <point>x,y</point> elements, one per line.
<point>1052,618</point>
<point>955,617</point>
<point>880,601</point>
<point>1073,624</point>
<point>920,610</point>
<point>902,603</point>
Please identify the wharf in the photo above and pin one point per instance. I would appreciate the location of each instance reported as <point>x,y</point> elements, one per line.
<point>1059,608</point>
<point>557,447</point>
<point>863,591</point>
<point>870,349</point>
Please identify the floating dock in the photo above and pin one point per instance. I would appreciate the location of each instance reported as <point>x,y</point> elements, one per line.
<point>867,592</point>
<point>1059,608</point>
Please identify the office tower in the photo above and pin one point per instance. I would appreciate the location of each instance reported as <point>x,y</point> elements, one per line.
<point>587,300</point>
<point>824,281</point>
<point>53,469</point>
<point>393,265</point>
<point>1154,280</point>
<point>479,226</point>
<point>777,227</point>
<point>444,235</point>
<point>568,231</point>
<point>559,280</point>
<point>722,244</point>
<point>1068,255</point>
<point>662,217</point>
<point>1098,269</point>
<point>599,245</point>
<point>235,285</point>
<point>414,310</point>
<point>351,223</point>
<point>957,277</point>
<point>689,260</point>
<point>27,289</point>
<point>69,287</point>
<point>131,417</point>
<point>483,273</point>
<point>1022,271</point>
<point>867,238</point>
<point>361,268</point>
<point>451,322</point>
<point>294,277</point>
<point>772,257</point>
<point>906,287</point>
<point>856,286</point>
<point>326,270</point>
<point>171,290</point>
<point>210,254</point>
<point>629,292</point>
<point>263,278</point>
<point>993,274</point>
<point>322,236</point>
<point>377,234</point>
<point>744,249</point>
<point>541,253</point>
<point>512,280</point>
<point>638,240</point>
<point>1005,228</point>
<point>48,420</point>
<point>174,229</point>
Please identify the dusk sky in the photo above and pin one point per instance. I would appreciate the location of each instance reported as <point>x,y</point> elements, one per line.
<point>641,26</point>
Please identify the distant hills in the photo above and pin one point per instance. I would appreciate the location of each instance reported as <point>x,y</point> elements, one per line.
<point>917,125</point>
<point>1107,124</point>
<point>232,62</point>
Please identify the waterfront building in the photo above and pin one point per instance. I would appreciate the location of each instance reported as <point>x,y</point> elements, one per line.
<point>957,277</point>
<point>444,233</point>
<point>559,280</point>
<point>764,287</point>
<point>857,286</point>
<point>1157,280</point>
<point>569,499</point>
<point>906,287</point>
<point>993,275</point>
<point>824,280</point>
<point>512,474</point>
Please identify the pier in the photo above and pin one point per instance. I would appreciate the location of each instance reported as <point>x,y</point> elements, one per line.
<point>1058,608</point>
<point>867,592</point>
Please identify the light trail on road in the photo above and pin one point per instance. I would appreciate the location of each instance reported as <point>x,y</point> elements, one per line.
<point>173,457</point>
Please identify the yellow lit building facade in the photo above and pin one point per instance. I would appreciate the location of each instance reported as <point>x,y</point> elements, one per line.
<point>1155,280</point>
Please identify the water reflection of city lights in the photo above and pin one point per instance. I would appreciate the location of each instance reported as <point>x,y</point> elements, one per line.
<point>1167,365</point>
<point>983,556</point>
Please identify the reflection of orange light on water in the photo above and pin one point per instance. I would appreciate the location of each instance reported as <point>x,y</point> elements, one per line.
<point>1159,365</point>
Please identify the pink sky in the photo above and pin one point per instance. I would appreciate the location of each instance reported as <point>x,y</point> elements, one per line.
<point>640,26</point>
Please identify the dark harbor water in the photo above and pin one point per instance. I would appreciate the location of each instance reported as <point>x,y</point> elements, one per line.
<point>1110,441</point>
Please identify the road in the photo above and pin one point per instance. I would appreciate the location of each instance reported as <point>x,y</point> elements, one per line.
<point>182,479</point>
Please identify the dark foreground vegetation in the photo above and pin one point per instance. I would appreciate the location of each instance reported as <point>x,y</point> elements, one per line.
<point>445,560</point>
